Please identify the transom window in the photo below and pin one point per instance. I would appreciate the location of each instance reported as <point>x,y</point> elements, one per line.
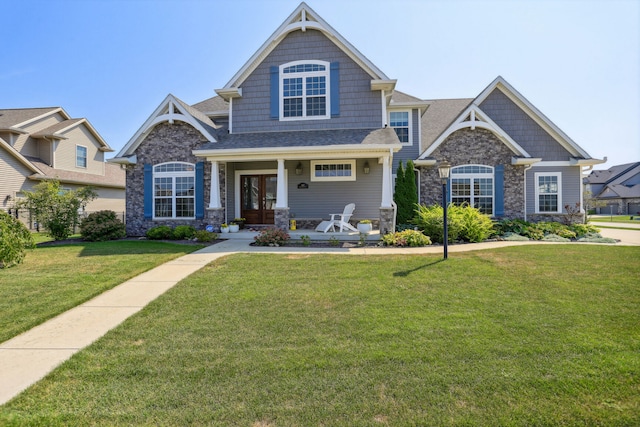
<point>174,190</point>
<point>305,90</point>
<point>548,192</point>
<point>399,121</point>
<point>81,156</point>
<point>344,170</point>
<point>473,184</point>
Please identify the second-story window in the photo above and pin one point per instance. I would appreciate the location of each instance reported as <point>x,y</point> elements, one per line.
<point>399,121</point>
<point>81,156</point>
<point>304,90</point>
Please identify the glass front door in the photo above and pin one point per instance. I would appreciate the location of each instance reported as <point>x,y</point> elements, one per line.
<point>258,198</point>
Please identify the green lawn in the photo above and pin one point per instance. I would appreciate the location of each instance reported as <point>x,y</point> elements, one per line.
<point>53,279</point>
<point>520,336</point>
<point>615,218</point>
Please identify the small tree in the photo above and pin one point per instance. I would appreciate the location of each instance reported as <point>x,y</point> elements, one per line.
<point>15,238</point>
<point>406,194</point>
<point>591,203</point>
<point>56,208</point>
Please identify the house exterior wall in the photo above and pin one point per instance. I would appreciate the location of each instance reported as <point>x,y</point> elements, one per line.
<point>66,152</point>
<point>571,188</point>
<point>163,144</point>
<point>522,128</point>
<point>409,152</point>
<point>475,147</point>
<point>13,179</point>
<point>359,106</point>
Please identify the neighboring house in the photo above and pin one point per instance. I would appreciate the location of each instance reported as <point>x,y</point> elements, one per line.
<point>38,144</point>
<point>309,125</point>
<point>618,187</point>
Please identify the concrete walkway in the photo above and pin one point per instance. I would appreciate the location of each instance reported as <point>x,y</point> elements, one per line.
<point>27,358</point>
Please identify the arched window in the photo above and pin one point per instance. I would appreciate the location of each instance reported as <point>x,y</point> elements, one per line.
<point>174,190</point>
<point>304,90</point>
<point>473,184</point>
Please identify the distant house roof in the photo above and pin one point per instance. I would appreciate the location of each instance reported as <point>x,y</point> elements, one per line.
<point>619,181</point>
<point>114,176</point>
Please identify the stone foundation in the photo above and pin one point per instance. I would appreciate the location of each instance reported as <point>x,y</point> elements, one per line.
<point>281,219</point>
<point>387,219</point>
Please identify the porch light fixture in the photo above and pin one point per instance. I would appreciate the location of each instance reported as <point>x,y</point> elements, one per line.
<point>299,169</point>
<point>444,168</point>
<point>367,169</point>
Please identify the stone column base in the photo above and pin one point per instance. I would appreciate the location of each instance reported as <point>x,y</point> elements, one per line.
<point>215,217</point>
<point>281,218</point>
<point>387,220</point>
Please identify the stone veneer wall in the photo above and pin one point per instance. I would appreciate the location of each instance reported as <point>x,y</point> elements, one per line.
<point>165,143</point>
<point>475,147</point>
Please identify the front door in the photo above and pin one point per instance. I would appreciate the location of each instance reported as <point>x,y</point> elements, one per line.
<point>258,198</point>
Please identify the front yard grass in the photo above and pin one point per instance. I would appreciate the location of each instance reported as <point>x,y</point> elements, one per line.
<point>519,336</point>
<point>53,279</point>
<point>615,218</point>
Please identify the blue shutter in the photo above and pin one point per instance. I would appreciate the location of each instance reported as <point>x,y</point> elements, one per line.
<point>498,177</point>
<point>275,93</point>
<point>199,190</point>
<point>334,77</point>
<point>148,191</point>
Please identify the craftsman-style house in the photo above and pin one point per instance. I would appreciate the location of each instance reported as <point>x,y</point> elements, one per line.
<point>309,124</point>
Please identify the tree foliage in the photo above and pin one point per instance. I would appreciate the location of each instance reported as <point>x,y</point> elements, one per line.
<point>406,193</point>
<point>15,238</point>
<point>55,208</point>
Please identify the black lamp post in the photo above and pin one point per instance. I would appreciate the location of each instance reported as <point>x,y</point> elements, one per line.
<point>443,170</point>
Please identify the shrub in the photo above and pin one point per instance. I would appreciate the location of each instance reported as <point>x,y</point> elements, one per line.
<point>554,238</point>
<point>184,232</point>
<point>514,237</point>
<point>596,238</point>
<point>205,236</point>
<point>161,232</point>
<point>272,237</point>
<point>15,239</point>
<point>464,223</point>
<point>333,241</point>
<point>411,238</point>
<point>101,226</point>
<point>583,229</point>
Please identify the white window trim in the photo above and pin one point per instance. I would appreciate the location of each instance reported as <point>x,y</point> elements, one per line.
<point>537,175</point>
<point>473,176</point>
<point>326,73</point>
<point>314,163</point>
<point>410,121</point>
<point>86,156</point>
<point>173,175</point>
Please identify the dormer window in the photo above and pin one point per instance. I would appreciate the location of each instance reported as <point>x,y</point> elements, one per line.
<point>305,89</point>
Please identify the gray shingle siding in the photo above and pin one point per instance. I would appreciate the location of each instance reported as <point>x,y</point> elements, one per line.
<point>571,183</point>
<point>359,106</point>
<point>410,151</point>
<point>522,128</point>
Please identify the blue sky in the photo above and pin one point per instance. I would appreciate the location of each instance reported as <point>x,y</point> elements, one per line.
<point>114,61</point>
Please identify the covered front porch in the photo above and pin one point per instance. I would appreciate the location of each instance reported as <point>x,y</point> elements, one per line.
<point>314,236</point>
<point>272,186</point>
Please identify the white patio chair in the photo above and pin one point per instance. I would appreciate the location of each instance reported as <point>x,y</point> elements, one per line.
<point>340,220</point>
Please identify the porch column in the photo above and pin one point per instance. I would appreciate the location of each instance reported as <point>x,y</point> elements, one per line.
<point>214,191</point>
<point>387,195</point>
<point>281,192</point>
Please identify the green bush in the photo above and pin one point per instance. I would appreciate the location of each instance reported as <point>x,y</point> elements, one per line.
<point>583,229</point>
<point>554,238</point>
<point>205,236</point>
<point>513,237</point>
<point>410,238</point>
<point>101,226</point>
<point>161,232</point>
<point>15,239</point>
<point>464,223</point>
<point>182,232</point>
<point>272,237</point>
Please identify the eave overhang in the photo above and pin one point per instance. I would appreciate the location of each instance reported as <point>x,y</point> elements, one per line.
<point>299,153</point>
<point>130,160</point>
